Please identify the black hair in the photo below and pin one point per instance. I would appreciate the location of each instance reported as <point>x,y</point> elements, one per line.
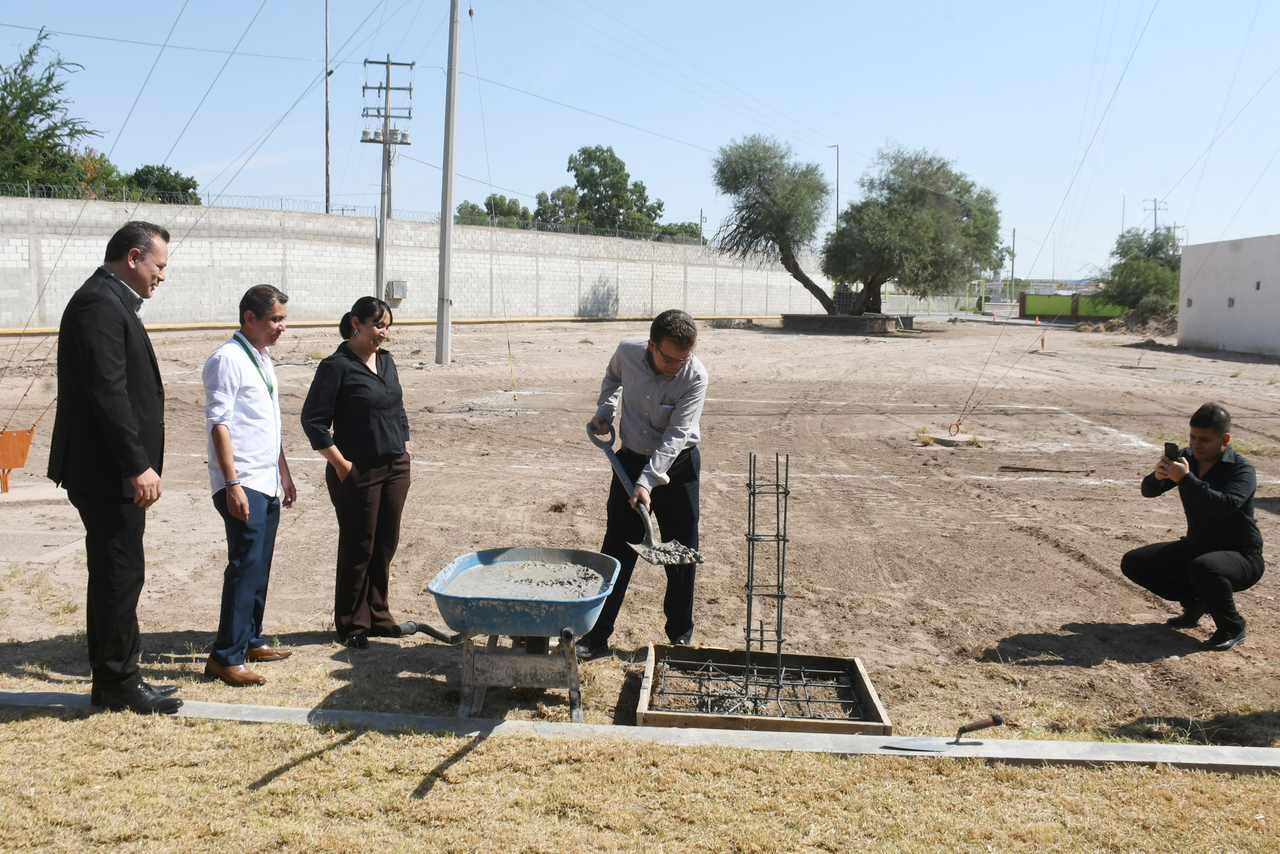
<point>675,326</point>
<point>259,300</point>
<point>366,310</point>
<point>1212,416</point>
<point>134,234</point>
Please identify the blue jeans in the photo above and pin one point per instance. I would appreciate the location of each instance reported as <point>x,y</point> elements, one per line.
<point>250,546</point>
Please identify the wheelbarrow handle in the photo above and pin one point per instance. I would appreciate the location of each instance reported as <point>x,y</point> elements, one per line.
<point>607,447</point>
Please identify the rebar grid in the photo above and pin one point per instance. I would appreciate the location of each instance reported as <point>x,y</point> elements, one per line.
<point>727,689</point>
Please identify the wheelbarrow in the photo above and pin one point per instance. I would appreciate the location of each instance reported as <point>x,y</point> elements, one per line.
<point>477,595</point>
<point>664,554</point>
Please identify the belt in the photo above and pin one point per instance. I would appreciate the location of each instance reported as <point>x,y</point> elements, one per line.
<point>627,452</point>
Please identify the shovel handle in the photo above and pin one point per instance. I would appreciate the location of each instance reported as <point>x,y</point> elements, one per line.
<point>994,720</point>
<point>607,447</point>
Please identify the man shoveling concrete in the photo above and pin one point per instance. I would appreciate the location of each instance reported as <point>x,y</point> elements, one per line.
<point>657,388</point>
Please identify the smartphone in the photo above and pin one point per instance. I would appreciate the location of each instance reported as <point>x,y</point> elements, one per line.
<point>1171,450</point>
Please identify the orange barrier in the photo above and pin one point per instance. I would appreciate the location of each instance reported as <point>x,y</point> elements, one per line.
<point>14,445</point>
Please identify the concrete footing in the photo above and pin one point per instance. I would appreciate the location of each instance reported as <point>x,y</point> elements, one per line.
<point>1234,760</point>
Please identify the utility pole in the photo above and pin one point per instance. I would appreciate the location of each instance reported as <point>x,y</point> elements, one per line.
<point>1156,207</point>
<point>1013,266</point>
<point>386,136</point>
<point>837,148</point>
<point>327,72</point>
<point>444,310</point>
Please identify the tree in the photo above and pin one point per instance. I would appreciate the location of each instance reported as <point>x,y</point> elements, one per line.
<point>921,223</point>
<point>559,208</point>
<point>1146,268</point>
<point>162,184</point>
<point>777,204</point>
<point>469,213</point>
<point>38,136</point>
<point>606,195</point>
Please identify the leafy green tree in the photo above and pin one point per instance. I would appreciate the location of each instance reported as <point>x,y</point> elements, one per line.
<point>469,213</point>
<point>1146,268</point>
<point>38,136</point>
<point>777,204</point>
<point>160,183</point>
<point>921,223</point>
<point>607,197</point>
<point>502,208</point>
<point>559,208</point>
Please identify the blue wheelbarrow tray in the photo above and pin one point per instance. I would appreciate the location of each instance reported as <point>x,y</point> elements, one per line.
<point>522,616</point>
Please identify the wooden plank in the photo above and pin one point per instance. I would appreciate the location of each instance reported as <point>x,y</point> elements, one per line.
<point>761,723</point>
<point>867,696</point>
<point>646,687</point>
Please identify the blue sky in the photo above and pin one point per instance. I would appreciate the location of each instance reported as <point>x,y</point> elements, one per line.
<point>1073,113</point>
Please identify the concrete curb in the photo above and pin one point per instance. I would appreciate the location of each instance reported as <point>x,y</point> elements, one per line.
<point>1234,760</point>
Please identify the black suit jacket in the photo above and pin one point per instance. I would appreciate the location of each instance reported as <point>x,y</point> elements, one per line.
<point>110,421</point>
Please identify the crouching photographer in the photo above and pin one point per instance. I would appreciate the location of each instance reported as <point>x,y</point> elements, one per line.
<point>1221,553</point>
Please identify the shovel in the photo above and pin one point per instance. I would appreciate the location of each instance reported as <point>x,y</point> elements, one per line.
<point>939,745</point>
<point>663,554</point>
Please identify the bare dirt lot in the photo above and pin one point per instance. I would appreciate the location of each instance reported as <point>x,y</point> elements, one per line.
<point>965,586</point>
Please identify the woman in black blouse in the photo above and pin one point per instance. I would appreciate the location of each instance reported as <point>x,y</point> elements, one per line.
<point>356,392</point>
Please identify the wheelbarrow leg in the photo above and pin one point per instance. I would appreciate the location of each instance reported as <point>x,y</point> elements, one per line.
<point>472,699</point>
<point>571,670</point>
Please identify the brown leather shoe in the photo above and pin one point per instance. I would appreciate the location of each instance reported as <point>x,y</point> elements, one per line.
<point>267,653</point>
<point>236,675</point>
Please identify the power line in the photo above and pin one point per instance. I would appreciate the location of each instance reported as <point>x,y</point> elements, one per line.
<point>490,184</point>
<point>168,46</point>
<point>596,115</point>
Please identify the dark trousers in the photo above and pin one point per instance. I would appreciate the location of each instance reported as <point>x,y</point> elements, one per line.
<point>113,543</point>
<point>1179,572</point>
<point>368,504</point>
<point>250,546</point>
<point>675,505</point>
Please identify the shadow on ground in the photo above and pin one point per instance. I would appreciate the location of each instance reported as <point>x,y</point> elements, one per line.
<point>1090,644</point>
<point>1255,729</point>
<point>1271,505</point>
<point>421,677</point>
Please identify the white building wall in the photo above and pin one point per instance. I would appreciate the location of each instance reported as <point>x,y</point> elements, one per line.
<point>1229,295</point>
<point>325,263</point>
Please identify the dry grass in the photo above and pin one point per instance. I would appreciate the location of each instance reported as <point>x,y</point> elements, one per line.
<point>1250,449</point>
<point>128,783</point>
<point>922,436</point>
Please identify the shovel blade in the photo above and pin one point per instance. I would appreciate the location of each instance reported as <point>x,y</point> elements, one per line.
<point>668,554</point>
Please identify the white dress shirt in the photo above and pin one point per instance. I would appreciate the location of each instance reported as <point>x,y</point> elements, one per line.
<point>659,414</point>
<point>236,396</point>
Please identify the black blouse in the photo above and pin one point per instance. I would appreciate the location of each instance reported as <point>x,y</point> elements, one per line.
<point>365,410</point>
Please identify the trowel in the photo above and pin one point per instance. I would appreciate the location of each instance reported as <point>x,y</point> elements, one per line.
<point>663,554</point>
<point>941,745</point>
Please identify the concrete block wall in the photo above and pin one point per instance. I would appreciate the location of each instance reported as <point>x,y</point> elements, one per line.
<point>325,263</point>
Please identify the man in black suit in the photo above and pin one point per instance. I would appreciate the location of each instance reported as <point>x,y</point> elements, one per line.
<point>108,452</point>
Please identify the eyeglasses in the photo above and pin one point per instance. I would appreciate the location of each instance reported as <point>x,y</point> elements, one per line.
<point>667,358</point>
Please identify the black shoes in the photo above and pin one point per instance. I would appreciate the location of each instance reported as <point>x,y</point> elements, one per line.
<point>1224,639</point>
<point>356,641</point>
<point>1189,618</point>
<point>140,698</point>
<point>587,652</point>
<point>95,694</point>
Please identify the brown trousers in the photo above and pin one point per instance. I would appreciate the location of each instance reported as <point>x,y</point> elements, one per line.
<point>368,504</point>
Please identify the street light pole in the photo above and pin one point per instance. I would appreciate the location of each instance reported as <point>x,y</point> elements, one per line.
<point>837,148</point>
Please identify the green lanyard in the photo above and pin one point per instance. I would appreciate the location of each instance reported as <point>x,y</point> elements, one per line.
<point>270,388</point>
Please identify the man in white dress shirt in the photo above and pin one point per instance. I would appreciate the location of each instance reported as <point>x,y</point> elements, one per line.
<point>656,387</point>
<point>248,475</point>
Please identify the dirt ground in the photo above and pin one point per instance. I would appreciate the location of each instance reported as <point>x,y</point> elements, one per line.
<point>965,586</point>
